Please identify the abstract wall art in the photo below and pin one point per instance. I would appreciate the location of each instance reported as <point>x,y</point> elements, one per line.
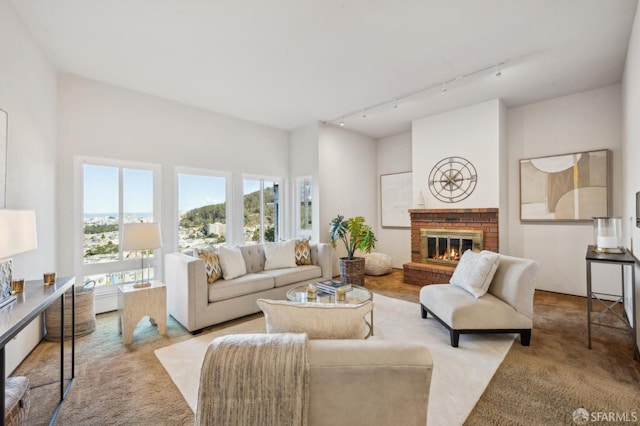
<point>569,187</point>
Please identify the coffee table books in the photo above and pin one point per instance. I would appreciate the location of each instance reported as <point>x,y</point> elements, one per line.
<point>330,286</point>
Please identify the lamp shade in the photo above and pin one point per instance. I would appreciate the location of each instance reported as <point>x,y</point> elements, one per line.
<point>17,232</point>
<point>141,236</point>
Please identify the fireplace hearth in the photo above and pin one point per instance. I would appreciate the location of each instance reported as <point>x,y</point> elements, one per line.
<point>446,246</point>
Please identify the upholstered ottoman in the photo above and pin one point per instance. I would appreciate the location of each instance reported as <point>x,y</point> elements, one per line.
<point>16,401</point>
<point>377,264</point>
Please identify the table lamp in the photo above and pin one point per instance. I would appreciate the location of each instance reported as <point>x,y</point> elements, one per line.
<point>141,237</point>
<point>17,235</point>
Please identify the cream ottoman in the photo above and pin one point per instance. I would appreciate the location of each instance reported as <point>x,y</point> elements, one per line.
<point>377,264</point>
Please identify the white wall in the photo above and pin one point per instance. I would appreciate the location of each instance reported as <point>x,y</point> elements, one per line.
<point>394,156</point>
<point>28,95</point>
<point>580,122</point>
<point>631,147</point>
<point>99,120</point>
<point>473,133</point>
<point>347,162</point>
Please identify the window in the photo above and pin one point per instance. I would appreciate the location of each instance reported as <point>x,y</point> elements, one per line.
<point>261,200</point>
<point>202,210</point>
<point>303,203</point>
<point>115,193</point>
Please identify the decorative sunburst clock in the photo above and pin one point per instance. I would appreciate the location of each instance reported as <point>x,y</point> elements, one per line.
<point>452,179</point>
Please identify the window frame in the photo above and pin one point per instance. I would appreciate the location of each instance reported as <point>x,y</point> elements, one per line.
<point>302,180</point>
<point>280,181</point>
<point>121,265</point>
<point>228,176</point>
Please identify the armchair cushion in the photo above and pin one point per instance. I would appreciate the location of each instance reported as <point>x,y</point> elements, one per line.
<point>475,271</point>
<point>319,321</point>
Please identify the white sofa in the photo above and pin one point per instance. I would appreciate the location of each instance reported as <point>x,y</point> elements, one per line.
<point>196,304</point>
<point>507,307</point>
<point>350,382</point>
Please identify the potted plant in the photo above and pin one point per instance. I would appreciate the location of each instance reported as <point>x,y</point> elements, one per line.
<point>355,235</point>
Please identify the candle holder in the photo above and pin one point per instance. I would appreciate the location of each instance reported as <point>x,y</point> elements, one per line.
<point>312,292</point>
<point>49,278</point>
<point>17,286</point>
<point>607,234</point>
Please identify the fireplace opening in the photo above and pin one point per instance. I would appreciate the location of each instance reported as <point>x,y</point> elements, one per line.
<point>446,246</point>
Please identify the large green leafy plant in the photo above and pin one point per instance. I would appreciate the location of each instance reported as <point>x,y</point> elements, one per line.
<point>354,233</point>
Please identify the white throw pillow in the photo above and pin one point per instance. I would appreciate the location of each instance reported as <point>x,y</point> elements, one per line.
<point>318,320</point>
<point>475,271</point>
<point>280,255</point>
<point>231,262</point>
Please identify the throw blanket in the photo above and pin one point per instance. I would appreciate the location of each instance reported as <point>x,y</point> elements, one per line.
<point>255,379</point>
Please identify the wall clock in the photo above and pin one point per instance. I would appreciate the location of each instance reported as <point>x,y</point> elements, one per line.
<point>452,179</point>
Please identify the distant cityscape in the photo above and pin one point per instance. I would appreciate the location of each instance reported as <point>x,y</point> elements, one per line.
<point>101,242</point>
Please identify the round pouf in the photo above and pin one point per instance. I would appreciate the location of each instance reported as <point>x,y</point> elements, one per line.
<point>377,264</point>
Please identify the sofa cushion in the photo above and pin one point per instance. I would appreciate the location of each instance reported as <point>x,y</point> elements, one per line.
<point>462,311</point>
<point>318,320</point>
<point>211,264</point>
<point>475,271</point>
<point>280,255</point>
<point>254,258</point>
<point>303,252</point>
<point>288,276</point>
<point>232,262</point>
<point>245,284</point>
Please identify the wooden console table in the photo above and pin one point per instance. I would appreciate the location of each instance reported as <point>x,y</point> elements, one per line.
<point>622,259</point>
<point>32,302</point>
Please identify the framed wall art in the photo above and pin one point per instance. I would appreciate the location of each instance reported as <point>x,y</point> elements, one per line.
<point>568,187</point>
<point>395,199</point>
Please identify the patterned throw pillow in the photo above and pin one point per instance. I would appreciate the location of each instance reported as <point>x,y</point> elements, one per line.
<point>303,252</point>
<point>211,265</point>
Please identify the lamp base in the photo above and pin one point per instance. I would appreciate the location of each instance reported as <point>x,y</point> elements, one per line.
<point>609,250</point>
<point>141,285</point>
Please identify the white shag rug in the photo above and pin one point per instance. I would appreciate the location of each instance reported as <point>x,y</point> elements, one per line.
<point>460,375</point>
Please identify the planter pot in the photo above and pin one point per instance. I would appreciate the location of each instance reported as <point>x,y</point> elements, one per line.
<point>352,271</point>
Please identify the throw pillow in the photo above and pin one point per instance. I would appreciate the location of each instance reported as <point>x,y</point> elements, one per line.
<point>232,262</point>
<point>303,252</point>
<point>211,264</point>
<point>318,320</point>
<point>279,255</point>
<point>475,271</point>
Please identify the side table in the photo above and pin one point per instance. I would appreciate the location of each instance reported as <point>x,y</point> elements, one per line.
<point>622,259</point>
<point>136,303</point>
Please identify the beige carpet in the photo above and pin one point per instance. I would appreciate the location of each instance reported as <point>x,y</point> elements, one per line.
<point>460,375</point>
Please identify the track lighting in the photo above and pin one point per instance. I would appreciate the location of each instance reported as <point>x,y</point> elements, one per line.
<point>495,68</point>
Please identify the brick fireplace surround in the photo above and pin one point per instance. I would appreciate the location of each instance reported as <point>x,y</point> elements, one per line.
<point>421,274</point>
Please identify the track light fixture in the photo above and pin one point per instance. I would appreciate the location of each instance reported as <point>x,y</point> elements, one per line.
<point>496,68</point>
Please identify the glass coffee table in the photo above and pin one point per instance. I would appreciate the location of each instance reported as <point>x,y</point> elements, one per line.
<point>355,296</point>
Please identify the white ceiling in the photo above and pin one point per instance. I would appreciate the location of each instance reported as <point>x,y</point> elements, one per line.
<point>289,63</point>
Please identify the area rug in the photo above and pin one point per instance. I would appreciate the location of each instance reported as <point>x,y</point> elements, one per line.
<point>460,375</point>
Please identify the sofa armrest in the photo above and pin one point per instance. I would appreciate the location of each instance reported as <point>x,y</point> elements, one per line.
<point>321,256</point>
<point>187,288</point>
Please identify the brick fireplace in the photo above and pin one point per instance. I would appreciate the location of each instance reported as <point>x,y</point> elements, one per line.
<point>418,271</point>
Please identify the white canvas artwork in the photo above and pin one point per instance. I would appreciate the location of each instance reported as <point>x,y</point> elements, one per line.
<point>395,199</point>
